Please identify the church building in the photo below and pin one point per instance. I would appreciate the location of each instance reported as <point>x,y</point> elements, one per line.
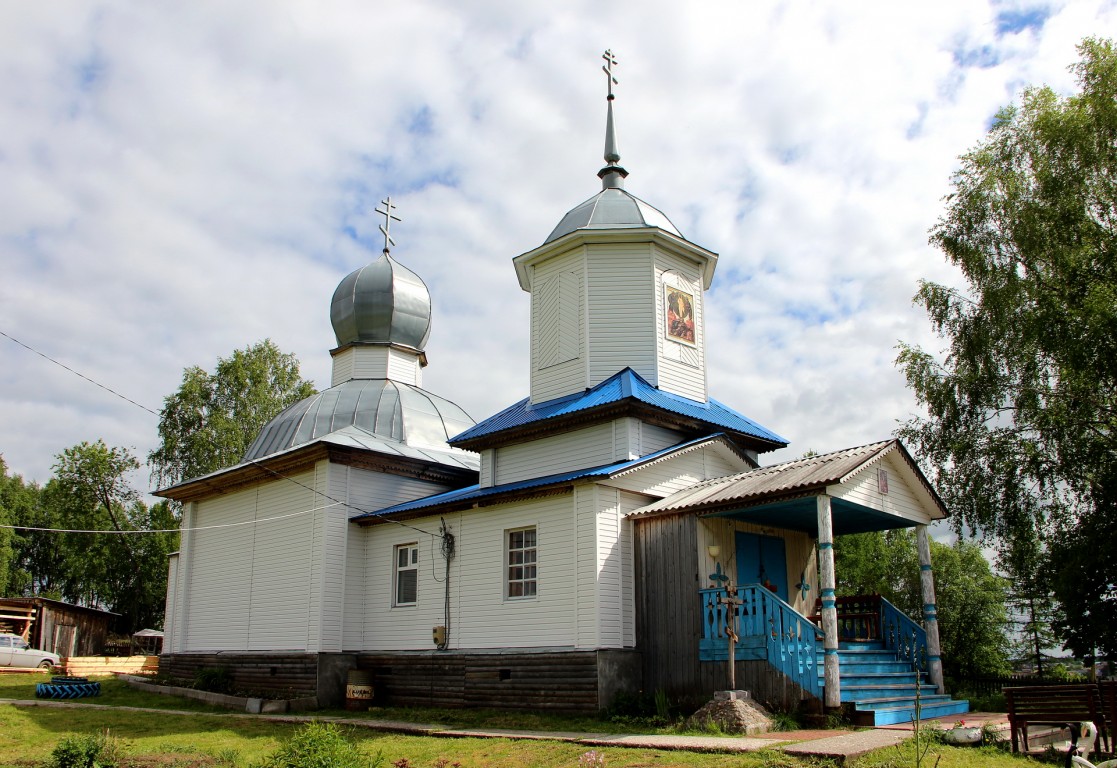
<point>615,531</point>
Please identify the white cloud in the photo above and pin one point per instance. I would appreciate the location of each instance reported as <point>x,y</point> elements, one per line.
<point>181,180</point>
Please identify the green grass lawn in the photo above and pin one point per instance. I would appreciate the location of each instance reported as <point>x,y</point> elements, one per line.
<point>113,693</point>
<point>209,737</point>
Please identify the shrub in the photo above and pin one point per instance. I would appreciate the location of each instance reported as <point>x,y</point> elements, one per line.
<point>319,745</point>
<point>91,750</point>
<point>214,679</point>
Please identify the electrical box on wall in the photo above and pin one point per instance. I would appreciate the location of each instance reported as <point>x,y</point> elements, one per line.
<point>439,634</point>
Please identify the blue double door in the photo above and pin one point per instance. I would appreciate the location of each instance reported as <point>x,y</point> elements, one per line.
<point>762,560</point>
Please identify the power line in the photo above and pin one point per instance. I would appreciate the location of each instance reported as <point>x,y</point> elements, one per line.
<point>254,462</point>
<point>169,530</point>
<point>79,375</point>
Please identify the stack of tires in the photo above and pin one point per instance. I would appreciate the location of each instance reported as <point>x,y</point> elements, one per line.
<point>67,688</point>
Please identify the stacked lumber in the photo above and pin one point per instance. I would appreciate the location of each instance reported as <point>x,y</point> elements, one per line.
<point>92,666</point>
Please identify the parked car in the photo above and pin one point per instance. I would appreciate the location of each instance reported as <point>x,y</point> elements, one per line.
<point>15,652</point>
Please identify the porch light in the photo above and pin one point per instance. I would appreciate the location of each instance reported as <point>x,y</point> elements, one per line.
<point>714,550</point>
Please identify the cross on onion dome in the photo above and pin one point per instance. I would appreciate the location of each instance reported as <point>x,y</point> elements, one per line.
<point>387,225</point>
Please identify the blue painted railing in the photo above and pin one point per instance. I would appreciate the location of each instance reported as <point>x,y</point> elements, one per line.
<point>769,629</point>
<point>902,635</point>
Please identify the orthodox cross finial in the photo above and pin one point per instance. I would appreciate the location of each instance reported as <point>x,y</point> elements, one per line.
<point>610,60</point>
<point>612,175</point>
<point>387,225</point>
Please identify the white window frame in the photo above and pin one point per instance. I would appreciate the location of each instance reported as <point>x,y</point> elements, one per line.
<point>411,552</point>
<point>519,562</point>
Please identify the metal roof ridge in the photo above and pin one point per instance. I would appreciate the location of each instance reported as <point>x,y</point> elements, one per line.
<point>880,451</point>
<point>671,451</point>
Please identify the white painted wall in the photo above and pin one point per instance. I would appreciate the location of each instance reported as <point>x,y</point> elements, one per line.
<point>250,585</point>
<point>904,499</point>
<point>578,449</point>
<point>481,616</point>
<point>169,624</point>
<point>557,327</point>
<point>682,367</point>
<point>368,491</point>
<point>294,580</point>
<point>674,473</point>
<point>376,362</point>
<point>621,311</point>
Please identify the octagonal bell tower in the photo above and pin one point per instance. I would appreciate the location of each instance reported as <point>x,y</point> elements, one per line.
<point>616,285</point>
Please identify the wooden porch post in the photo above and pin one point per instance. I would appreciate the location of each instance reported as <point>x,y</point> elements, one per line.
<point>930,612</point>
<point>833,692</point>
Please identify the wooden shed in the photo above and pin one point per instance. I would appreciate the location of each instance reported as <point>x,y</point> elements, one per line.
<point>62,628</point>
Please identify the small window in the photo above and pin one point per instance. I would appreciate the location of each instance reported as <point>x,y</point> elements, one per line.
<point>407,574</point>
<point>521,563</point>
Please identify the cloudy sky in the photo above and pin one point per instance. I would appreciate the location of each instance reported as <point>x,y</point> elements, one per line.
<point>179,180</point>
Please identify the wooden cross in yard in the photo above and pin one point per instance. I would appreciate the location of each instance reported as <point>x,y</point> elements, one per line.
<point>731,601</point>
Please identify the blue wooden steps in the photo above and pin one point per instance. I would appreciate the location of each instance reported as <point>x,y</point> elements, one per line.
<point>882,690</point>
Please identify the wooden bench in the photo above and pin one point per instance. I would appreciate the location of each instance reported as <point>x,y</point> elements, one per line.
<point>1108,690</point>
<point>1054,705</point>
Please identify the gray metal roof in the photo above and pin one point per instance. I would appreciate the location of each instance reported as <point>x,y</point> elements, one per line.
<point>388,410</point>
<point>612,208</point>
<point>383,303</point>
<point>778,480</point>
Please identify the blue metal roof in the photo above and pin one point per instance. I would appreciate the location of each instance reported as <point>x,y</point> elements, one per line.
<point>474,492</point>
<point>626,384</point>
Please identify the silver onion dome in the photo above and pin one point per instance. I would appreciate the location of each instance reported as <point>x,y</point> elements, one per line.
<point>387,409</point>
<point>382,303</point>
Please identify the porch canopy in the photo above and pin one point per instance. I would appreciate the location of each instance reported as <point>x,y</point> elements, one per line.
<point>874,487</point>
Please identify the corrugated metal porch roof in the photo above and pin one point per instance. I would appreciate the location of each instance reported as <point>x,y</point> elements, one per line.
<point>783,481</point>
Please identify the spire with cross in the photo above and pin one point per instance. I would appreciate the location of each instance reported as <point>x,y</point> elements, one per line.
<point>610,80</point>
<point>386,227</point>
<point>612,175</point>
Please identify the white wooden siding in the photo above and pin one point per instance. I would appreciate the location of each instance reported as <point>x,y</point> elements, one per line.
<point>481,616</point>
<point>356,580</point>
<point>578,449</point>
<point>675,473</point>
<point>370,491</point>
<point>585,566</point>
<point>904,499</point>
<point>285,581</point>
<point>610,570</point>
<point>628,503</point>
<point>169,624</point>
<point>221,574</point>
<point>377,362</point>
<point>364,580</point>
<point>626,439</point>
<point>559,299</point>
<point>182,584</point>
<point>261,586</point>
<point>655,438</point>
<point>557,328</point>
<point>487,474</point>
<point>621,311</point>
<point>404,367</point>
<point>682,368</point>
<point>342,367</point>
<point>332,481</point>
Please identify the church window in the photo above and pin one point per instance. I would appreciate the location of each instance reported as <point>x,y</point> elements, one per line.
<point>521,563</point>
<point>407,574</point>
